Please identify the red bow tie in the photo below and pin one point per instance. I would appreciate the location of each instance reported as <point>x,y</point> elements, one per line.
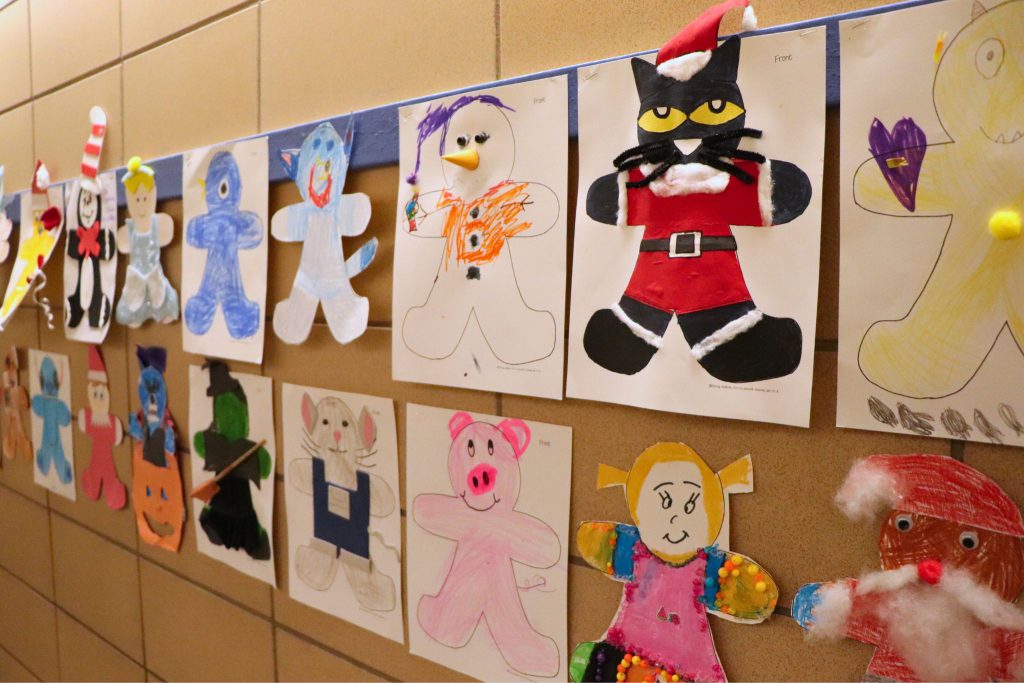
<point>89,240</point>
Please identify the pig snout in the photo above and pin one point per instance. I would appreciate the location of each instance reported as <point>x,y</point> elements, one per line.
<point>481,479</point>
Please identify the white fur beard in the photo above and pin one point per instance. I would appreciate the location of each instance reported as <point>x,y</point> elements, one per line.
<point>682,179</point>
<point>936,636</point>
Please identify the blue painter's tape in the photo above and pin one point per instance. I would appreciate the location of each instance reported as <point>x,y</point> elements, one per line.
<point>377,128</point>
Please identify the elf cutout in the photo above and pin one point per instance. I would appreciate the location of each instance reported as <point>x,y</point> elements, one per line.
<point>106,431</point>
<point>676,569</point>
<point>686,184</point>
<point>952,551</point>
<point>91,243</point>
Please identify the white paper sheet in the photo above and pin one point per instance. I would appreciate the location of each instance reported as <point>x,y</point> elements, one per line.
<point>929,329</point>
<point>526,576</point>
<point>484,307</point>
<point>358,459</point>
<point>52,421</point>
<point>782,79</point>
<point>85,331</point>
<point>259,395</point>
<point>224,251</point>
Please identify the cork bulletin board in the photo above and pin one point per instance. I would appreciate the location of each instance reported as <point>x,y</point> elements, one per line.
<point>81,598</point>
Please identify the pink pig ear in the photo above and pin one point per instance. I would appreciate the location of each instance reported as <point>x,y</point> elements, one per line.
<point>459,422</point>
<point>517,433</point>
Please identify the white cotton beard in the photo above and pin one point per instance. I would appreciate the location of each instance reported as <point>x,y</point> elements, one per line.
<point>683,179</point>
<point>832,611</point>
<point>936,636</point>
<point>942,632</point>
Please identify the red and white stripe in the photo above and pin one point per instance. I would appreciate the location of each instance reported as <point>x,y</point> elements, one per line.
<point>94,147</point>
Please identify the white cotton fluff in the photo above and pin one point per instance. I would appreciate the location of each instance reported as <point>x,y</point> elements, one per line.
<point>832,611</point>
<point>866,491</point>
<point>684,67</point>
<point>622,214</point>
<point>749,22</point>
<point>682,179</point>
<point>953,619</point>
<point>936,635</point>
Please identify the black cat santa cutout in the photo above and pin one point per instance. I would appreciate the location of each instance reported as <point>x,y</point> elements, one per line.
<point>687,183</point>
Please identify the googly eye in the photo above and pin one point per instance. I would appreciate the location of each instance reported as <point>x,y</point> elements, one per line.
<point>904,523</point>
<point>969,540</point>
<point>481,138</point>
<point>471,447</point>
<point>462,141</point>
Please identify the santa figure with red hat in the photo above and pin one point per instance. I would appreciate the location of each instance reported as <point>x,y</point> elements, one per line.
<point>686,184</point>
<point>952,550</point>
<point>106,431</point>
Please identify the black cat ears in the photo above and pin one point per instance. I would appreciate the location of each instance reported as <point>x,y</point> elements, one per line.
<point>695,46</point>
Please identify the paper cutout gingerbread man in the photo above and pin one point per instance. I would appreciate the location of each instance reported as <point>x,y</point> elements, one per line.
<point>975,288</point>
<point>477,214</point>
<point>952,552</point>
<point>223,231</point>
<point>15,439</point>
<point>324,216</point>
<point>491,535</point>
<point>56,416</point>
<point>106,431</point>
<point>675,567</point>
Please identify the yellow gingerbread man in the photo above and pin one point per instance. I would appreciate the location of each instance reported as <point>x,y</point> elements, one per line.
<point>977,179</point>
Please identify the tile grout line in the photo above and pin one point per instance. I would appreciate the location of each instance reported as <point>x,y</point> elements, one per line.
<point>23,665</point>
<point>140,558</point>
<point>337,653</point>
<point>122,58</point>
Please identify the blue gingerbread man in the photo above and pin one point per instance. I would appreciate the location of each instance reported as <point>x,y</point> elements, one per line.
<point>222,231</point>
<point>55,415</point>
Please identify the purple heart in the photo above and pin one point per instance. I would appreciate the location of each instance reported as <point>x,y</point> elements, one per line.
<point>899,156</point>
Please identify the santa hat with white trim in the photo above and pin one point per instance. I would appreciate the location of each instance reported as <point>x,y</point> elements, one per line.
<point>689,51</point>
<point>93,149</point>
<point>97,369</point>
<point>935,486</point>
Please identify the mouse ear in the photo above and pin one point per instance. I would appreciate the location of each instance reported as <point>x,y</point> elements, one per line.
<point>308,412</point>
<point>367,429</point>
<point>459,421</point>
<point>518,434</point>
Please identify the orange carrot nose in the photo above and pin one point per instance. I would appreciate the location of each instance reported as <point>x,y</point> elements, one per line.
<point>466,158</point>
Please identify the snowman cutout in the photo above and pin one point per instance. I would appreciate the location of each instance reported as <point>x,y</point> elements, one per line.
<point>478,213</point>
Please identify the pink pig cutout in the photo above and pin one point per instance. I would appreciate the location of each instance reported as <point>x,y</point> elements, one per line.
<point>490,535</point>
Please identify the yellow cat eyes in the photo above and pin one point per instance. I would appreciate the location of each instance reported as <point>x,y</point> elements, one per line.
<point>710,113</point>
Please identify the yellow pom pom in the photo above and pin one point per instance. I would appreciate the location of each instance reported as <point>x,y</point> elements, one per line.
<point>760,586</point>
<point>723,572</point>
<point>737,560</point>
<point>751,569</point>
<point>620,677</point>
<point>134,164</point>
<point>1004,225</point>
<point>636,660</point>
<point>735,572</point>
<point>675,678</point>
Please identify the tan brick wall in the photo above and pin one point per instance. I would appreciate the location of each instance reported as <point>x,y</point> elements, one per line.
<point>81,599</point>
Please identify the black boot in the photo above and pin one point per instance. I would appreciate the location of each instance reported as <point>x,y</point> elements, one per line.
<point>620,347</point>
<point>75,312</point>
<point>758,349</point>
<point>99,306</point>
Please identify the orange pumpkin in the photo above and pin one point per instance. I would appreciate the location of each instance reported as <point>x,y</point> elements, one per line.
<point>158,499</point>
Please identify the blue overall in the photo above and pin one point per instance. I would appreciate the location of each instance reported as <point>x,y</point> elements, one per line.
<point>352,534</point>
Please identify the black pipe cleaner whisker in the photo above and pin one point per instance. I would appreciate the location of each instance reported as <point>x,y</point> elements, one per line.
<point>732,135</point>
